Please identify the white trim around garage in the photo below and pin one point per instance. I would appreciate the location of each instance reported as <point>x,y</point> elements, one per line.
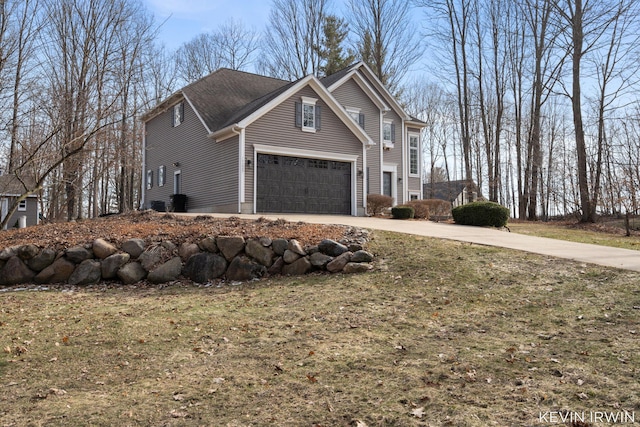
<point>309,154</point>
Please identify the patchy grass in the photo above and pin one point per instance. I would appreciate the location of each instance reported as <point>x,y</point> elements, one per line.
<point>441,333</point>
<point>599,235</point>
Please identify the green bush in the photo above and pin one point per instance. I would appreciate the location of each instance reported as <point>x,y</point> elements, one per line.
<point>402,212</point>
<point>481,214</point>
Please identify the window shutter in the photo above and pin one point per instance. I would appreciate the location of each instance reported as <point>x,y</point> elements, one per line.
<point>181,112</point>
<point>298,114</point>
<point>361,120</point>
<point>393,132</point>
<point>318,116</point>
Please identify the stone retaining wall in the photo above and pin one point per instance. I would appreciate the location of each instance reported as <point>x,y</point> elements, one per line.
<point>229,258</point>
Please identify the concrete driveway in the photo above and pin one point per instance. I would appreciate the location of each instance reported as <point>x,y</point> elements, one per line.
<point>601,255</point>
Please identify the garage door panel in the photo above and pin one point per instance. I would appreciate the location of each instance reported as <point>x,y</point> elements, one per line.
<point>301,185</point>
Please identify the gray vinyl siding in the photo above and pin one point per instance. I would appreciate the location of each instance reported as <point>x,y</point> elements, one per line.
<point>277,128</point>
<point>209,170</point>
<point>31,213</point>
<point>350,94</point>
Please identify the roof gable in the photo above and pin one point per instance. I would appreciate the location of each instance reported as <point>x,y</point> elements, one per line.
<point>226,94</point>
<point>10,185</point>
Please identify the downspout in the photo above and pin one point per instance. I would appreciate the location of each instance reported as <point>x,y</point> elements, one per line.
<point>144,167</point>
<point>404,164</point>
<point>241,165</point>
<point>364,179</point>
<point>381,139</point>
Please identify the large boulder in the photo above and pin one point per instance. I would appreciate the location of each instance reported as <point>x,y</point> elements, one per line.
<point>332,248</point>
<point>88,272</point>
<point>260,253</point>
<point>204,267</point>
<point>166,272</point>
<point>279,246</point>
<point>7,253</point>
<point>208,244</point>
<point>77,254</point>
<point>290,256</point>
<point>133,247</point>
<point>295,247</point>
<point>319,260</point>
<point>43,260</point>
<point>102,248</point>
<point>186,250</point>
<point>339,262</point>
<point>131,273</point>
<point>15,271</point>
<point>154,256</point>
<point>111,264</point>
<point>230,246</point>
<point>276,267</point>
<point>243,268</point>
<point>362,256</point>
<point>26,252</point>
<point>299,267</point>
<point>58,272</point>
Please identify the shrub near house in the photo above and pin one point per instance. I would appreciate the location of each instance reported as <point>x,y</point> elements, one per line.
<point>481,214</point>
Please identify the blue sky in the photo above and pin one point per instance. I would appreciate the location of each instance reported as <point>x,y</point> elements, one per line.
<point>184,19</point>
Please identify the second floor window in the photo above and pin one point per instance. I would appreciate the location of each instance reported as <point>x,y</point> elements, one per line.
<point>388,131</point>
<point>178,114</point>
<point>308,114</point>
<point>414,158</point>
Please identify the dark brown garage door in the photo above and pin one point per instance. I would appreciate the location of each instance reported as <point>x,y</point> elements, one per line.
<point>300,185</point>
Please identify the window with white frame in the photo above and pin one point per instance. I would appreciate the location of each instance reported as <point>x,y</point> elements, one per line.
<point>414,154</point>
<point>356,115</point>
<point>149,179</point>
<point>162,175</point>
<point>388,131</point>
<point>178,114</point>
<point>308,114</point>
<point>413,196</point>
<point>22,205</point>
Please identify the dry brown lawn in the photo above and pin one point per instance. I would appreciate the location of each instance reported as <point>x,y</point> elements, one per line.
<point>440,333</point>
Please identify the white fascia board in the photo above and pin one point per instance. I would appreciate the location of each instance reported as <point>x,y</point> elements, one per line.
<point>225,133</point>
<point>323,94</point>
<point>162,106</point>
<point>383,90</point>
<point>372,94</point>
<point>195,110</point>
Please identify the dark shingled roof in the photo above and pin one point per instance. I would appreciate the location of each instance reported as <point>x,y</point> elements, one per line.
<point>226,96</point>
<point>329,80</point>
<point>9,184</point>
<point>447,190</point>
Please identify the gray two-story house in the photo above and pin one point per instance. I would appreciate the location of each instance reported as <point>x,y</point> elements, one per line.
<point>236,142</point>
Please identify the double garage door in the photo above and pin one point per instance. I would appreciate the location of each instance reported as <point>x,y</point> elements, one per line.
<point>300,185</point>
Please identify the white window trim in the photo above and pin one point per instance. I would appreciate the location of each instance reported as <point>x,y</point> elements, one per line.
<point>22,205</point>
<point>162,175</point>
<point>177,118</point>
<point>414,193</point>
<point>352,110</point>
<point>394,180</point>
<point>310,102</point>
<point>149,179</point>
<point>387,143</point>
<point>417,174</point>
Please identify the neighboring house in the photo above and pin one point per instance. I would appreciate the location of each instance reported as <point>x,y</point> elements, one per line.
<point>10,189</point>
<point>235,142</point>
<point>456,192</point>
